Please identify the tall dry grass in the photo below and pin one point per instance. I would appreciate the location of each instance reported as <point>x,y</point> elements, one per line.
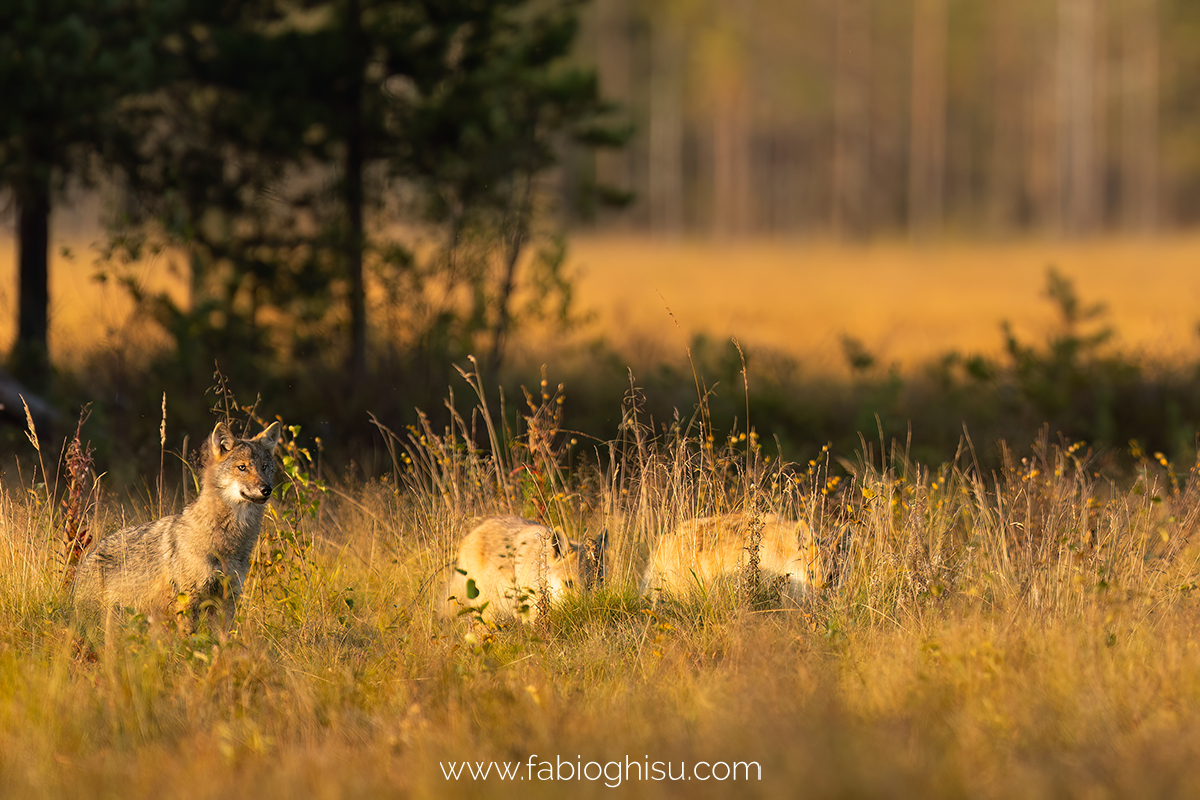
<point>1026,633</point>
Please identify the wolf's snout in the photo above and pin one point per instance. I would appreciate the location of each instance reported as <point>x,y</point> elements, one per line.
<point>257,492</point>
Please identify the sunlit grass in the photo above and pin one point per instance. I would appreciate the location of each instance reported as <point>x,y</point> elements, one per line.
<point>1026,633</point>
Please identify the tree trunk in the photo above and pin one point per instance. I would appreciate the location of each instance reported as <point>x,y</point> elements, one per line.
<point>666,192</point>
<point>1042,175</point>
<point>614,68</point>
<point>850,215</point>
<point>927,142</point>
<point>516,234</point>
<point>31,353</point>
<point>1139,116</point>
<point>1078,151</point>
<point>1008,110</point>
<point>354,197</point>
<point>732,200</point>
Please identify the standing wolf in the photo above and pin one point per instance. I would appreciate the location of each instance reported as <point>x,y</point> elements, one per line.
<point>502,564</point>
<point>197,560</point>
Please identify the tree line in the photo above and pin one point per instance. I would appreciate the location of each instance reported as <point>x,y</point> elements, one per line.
<point>862,118</point>
<point>331,175</point>
<point>359,193</point>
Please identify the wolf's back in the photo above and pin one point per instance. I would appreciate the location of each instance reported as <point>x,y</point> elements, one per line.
<point>130,567</point>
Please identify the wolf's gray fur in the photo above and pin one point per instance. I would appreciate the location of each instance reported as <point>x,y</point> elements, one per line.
<point>196,560</point>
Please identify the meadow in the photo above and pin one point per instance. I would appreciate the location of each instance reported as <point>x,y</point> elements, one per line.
<point>1015,618</point>
<point>1029,632</point>
<point>907,303</point>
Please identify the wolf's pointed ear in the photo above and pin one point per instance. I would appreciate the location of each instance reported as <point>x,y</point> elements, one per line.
<point>270,435</point>
<point>559,542</point>
<point>593,555</point>
<point>221,441</point>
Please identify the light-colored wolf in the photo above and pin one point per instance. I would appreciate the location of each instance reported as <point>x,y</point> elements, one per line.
<point>502,563</point>
<point>701,551</point>
<point>194,562</point>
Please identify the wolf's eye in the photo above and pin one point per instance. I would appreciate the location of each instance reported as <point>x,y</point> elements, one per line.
<point>242,467</point>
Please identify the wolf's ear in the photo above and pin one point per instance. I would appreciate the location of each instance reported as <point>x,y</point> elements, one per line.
<point>559,543</point>
<point>221,441</point>
<point>594,555</point>
<point>270,435</point>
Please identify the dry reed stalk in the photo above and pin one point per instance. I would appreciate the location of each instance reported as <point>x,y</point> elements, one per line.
<point>77,534</point>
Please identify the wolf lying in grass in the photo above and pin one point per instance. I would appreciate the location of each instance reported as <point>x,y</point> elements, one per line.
<point>195,561</point>
<point>701,551</point>
<point>502,564</point>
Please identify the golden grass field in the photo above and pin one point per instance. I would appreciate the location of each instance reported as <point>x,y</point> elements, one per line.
<point>906,303</point>
<point>1029,634</point>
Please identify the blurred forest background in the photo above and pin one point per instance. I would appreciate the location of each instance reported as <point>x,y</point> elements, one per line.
<point>339,201</point>
<point>874,116</point>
